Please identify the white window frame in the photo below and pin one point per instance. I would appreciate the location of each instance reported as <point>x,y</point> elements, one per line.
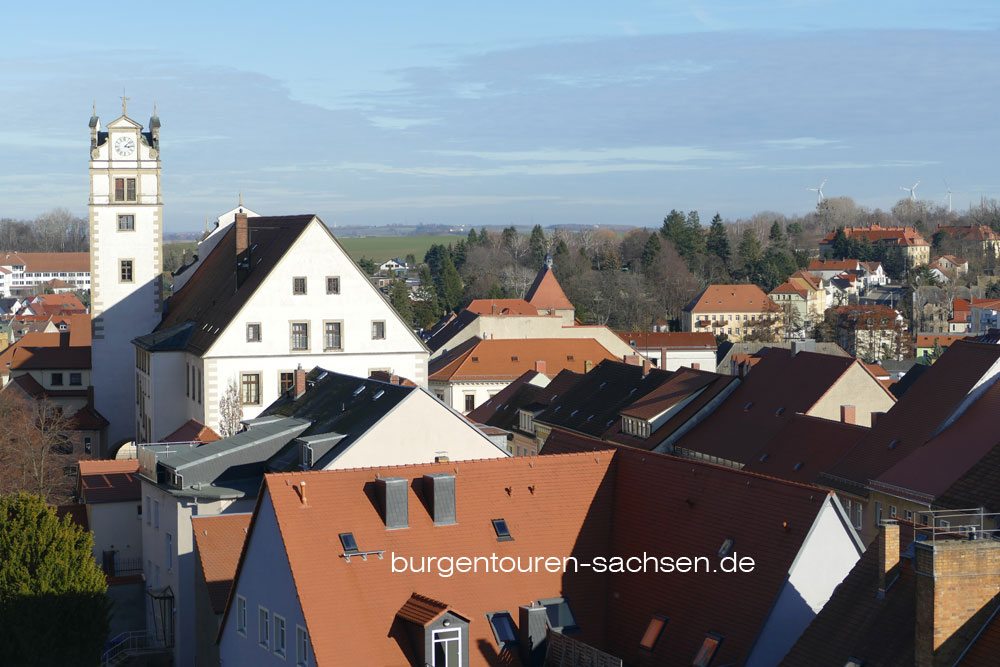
<point>241,615</point>
<point>263,628</point>
<point>435,641</point>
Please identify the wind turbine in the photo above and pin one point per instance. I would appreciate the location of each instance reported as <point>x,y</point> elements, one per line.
<point>948,196</point>
<point>819,192</point>
<point>913,196</point>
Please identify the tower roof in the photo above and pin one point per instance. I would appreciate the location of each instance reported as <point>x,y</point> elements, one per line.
<point>546,292</point>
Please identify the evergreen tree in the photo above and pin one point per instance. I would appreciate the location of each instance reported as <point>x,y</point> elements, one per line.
<point>484,237</point>
<point>459,254</point>
<point>562,248</point>
<point>451,285</point>
<point>673,226</point>
<point>651,251</point>
<point>434,258</point>
<point>53,608</point>
<point>496,292</point>
<point>777,237</point>
<point>368,266</point>
<point>473,238</point>
<point>750,250</point>
<point>400,297</point>
<point>428,309</point>
<point>537,245</point>
<point>840,247</point>
<point>717,242</point>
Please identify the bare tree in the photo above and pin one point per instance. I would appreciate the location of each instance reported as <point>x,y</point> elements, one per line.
<point>230,410</point>
<point>36,451</point>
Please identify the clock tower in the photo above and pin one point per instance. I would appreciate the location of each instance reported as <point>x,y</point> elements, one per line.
<point>126,260</point>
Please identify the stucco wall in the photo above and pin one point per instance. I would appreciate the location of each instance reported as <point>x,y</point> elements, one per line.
<point>858,388</point>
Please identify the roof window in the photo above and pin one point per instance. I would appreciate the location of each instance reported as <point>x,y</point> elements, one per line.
<point>502,530</point>
<point>777,413</point>
<point>378,394</point>
<point>503,628</point>
<point>707,650</point>
<point>603,385</point>
<point>559,616</point>
<point>475,359</point>
<point>892,445</point>
<point>797,467</point>
<point>513,358</point>
<point>573,414</point>
<point>854,662</point>
<point>763,457</point>
<point>652,634</point>
<point>359,390</point>
<point>748,405</point>
<point>569,357</point>
<point>726,548</point>
<point>349,543</point>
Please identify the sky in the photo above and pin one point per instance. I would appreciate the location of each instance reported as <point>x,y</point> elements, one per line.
<point>474,113</point>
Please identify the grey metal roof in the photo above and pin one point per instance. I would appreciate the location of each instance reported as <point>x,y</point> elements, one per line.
<point>169,339</point>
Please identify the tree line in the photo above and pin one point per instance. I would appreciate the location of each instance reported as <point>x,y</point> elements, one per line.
<point>55,231</point>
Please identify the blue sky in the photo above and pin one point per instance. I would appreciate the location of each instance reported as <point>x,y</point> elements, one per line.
<point>489,113</point>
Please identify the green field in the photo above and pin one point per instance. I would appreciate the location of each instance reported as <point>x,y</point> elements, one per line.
<point>381,248</point>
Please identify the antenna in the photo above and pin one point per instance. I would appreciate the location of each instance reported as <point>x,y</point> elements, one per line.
<point>912,191</point>
<point>819,192</point>
<point>948,196</point>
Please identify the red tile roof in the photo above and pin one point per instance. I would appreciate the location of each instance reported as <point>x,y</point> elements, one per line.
<point>893,236</point>
<point>971,232</point>
<point>421,610</point>
<point>193,431</point>
<point>671,340</point>
<point>501,307</point>
<point>49,261</point>
<point>546,293</point>
<point>219,542</point>
<point>502,359</point>
<point>109,481</point>
<point>788,287</point>
<point>928,340</point>
<point>732,298</point>
<point>839,265</point>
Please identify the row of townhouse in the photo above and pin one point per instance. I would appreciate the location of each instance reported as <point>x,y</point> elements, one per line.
<point>25,272</point>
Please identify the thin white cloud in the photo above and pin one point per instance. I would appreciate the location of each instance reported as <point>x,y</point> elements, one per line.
<point>800,143</point>
<point>546,169</point>
<point>637,153</point>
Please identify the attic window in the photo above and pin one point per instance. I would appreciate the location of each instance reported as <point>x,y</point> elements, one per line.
<point>378,394</point>
<point>503,532</point>
<point>349,543</point>
<point>726,548</point>
<point>573,414</point>
<point>892,445</point>
<point>652,634</point>
<point>475,359</point>
<point>797,467</point>
<point>503,629</point>
<point>359,390</point>
<point>707,651</point>
<point>777,413</point>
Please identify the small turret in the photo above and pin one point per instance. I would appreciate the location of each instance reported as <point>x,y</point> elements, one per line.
<point>95,127</point>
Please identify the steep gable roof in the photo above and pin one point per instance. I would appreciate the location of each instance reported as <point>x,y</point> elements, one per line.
<point>671,340</point>
<point>732,298</point>
<point>546,293</point>
<point>219,541</point>
<point>803,448</point>
<point>519,392</point>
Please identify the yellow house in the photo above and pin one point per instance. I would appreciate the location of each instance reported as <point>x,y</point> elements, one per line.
<point>734,310</point>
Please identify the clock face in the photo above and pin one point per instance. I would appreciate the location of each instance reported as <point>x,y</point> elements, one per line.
<point>124,146</point>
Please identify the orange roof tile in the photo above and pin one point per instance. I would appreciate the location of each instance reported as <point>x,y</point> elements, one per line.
<point>49,261</point>
<point>421,610</point>
<point>501,307</point>
<point>928,340</point>
<point>109,481</point>
<point>971,232</point>
<point>219,540</point>
<point>671,340</point>
<point>546,293</point>
<point>788,287</point>
<point>732,298</point>
<point>834,265</point>
<point>502,359</point>
<point>193,431</point>
<point>893,236</point>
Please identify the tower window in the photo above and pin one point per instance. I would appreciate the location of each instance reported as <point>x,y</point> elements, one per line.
<point>126,223</point>
<point>125,271</point>
<point>125,189</point>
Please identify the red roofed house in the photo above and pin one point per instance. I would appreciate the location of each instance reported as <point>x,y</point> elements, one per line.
<point>393,566</point>
<point>870,331</point>
<point>918,250</point>
<point>110,492</point>
<point>802,298</point>
<point>951,265</point>
<point>24,271</point>
<point>501,307</point>
<point>473,372</point>
<point>734,310</point>
<point>926,343</point>
<point>547,296</point>
<point>989,240</point>
<point>669,350</point>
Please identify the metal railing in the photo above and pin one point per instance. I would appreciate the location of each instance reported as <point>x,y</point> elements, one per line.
<point>128,644</point>
<point>968,523</point>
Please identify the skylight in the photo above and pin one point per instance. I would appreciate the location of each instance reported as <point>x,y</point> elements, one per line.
<point>378,394</point>
<point>359,390</point>
<point>348,542</point>
<point>603,385</point>
<point>503,628</point>
<point>777,413</point>
<point>797,467</point>
<point>503,532</point>
<point>892,445</point>
<point>322,375</point>
<point>573,414</point>
<point>763,457</point>
<point>475,358</point>
<point>707,651</point>
<point>513,358</point>
<point>652,634</point>
<point>559,615</point>
<point>726,548</point>
<point>748,405</point>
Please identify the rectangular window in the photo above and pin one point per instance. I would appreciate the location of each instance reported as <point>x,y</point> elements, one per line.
<point>333,285</point>
<point>126,223</point>
<point>301,646</point>
<point>250,388</point>
<point>892,511</point>
<point>187,379</point>
<point>198,386</point>
<point>125,189</point>
<point>241,615</point>
<point>156,514</point>
<point>170,552</point>
<point>285,381</point>
<point>331,336</point>
<point>253,332</point>
<point>149,513</point>
<point>263,627</point>
<point>125,271</point>
<point>279,635</point>
<point>298,285</point>
<point>300,335</point>
<point>75,379</point>
<point>447,650</point>
<point>378,330</point>
<point>57,379</point>
<point>878,514</point>
<point>470,402</point>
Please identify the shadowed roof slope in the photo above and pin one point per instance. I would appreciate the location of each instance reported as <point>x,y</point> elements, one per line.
<point>804,447</point>
<point>109,481</point>
<point>219,540</point>
<point>546,293</point>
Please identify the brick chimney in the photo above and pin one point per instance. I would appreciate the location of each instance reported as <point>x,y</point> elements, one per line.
<point>540,366</point>
<point>242,233</point>
<point>663,357</point>
<point>875,417</point>
<point>957,581</point>
<point>588,366</point>
<point>847,414</point>
<point>888,556</point>
<point>646,366</point>
<point>300,381</point>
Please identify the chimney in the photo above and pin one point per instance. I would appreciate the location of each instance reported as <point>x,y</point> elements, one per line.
<point>632,359</point>
<point>663,357</point>
<point>646,366</point>
<point>242,233</point>
<point>540,367</point>
<point>495,308</point>
<point>301,490</point>
<point>847,414</point>
<point>957,581</point>
<point>439,491</point>
<point>888,556</point>
<point>392,497</point>
<point>875,417</point>
<point>300,381</point>
<point>531,626</point>
<point>588,366</point>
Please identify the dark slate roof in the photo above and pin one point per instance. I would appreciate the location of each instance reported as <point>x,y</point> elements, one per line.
<point>501,410</point>
<point>212,296</point>
<point>978,487</point>
<point>339,408</point>
<point>441,337</point>
<point>903,384</point>
<point>923,410</point>
<point>174,337</point>
<point>594,402</point>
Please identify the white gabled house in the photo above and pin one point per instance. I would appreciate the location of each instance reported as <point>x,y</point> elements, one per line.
<point>273,293</point>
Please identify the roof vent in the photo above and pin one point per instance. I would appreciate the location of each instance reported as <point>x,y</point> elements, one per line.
<point>440,494</point>
<point>726,548</point>
<point>378,394</point>
<point>892,445</point>
<point>569,357</point>
<point>475,359</point>
<point>603,385</point>
<point>777,413</point>
<point>763,457</point>
<point>359,390</point>
<point>748,405</point>
<point>392,497</point>
<point>513,358</point>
